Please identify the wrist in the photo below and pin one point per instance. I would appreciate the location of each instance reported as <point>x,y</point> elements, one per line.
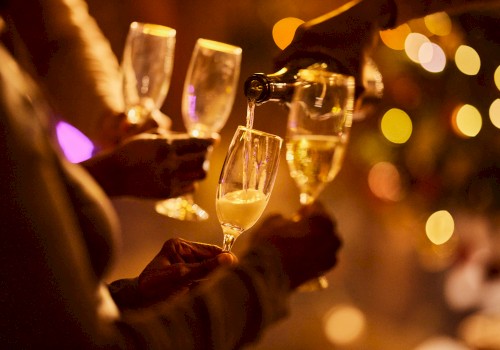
<point>125,293</point>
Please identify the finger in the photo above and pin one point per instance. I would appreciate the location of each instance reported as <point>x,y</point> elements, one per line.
<point>173,250</point>
<point>200,270</point>
<point>227,258</point>
<point>192,163</point>
<point>193,252</point>
<point>191,145</point>
<point>203,251</point>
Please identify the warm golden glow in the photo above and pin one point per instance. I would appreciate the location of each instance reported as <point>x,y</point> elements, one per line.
<point>432,57</point>
<point>284,30</point>
<point>384,181</point>
<point>395,38</point>
<point>438,23</point>
<point>439,227</point>
<point>495,113</point>
<point>413,43</point>
<point>467,60</point>
<point>396,126</point>
<point>467,120</point>
<point>344,324</point>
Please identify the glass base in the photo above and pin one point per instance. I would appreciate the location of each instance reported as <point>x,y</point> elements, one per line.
<point>314,285</point>
<point>181,208</point>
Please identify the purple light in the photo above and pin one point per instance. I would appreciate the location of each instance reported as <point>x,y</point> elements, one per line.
<point>75,145</point>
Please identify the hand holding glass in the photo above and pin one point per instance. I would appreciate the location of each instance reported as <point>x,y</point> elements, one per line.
<point>207,100</point>
<point>246,181</point>
<point>318,127</point>
<point>147,68</point>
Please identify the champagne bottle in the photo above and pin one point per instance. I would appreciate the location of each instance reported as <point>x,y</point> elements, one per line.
<point>279,86</point>
<point>318,44</point>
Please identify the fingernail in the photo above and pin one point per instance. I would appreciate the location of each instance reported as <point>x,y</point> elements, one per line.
<point>225,258</point>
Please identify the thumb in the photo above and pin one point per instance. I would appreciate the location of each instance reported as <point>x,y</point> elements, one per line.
<point>202,269</point>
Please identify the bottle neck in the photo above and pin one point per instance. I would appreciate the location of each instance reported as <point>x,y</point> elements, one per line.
<point>261,88</point>
<point>279,86</point>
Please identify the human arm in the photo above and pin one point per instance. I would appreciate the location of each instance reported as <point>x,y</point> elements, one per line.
<point>57,226</point>
<point>151,166</point>
<point>73,61</point>
<point>178,267</point>
<point>238,302</point>
<point>347,34</point>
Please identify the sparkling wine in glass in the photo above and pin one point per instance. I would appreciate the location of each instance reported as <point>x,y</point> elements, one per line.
<point>146,69</point>
<point>207,101</point>
<point>246,181</point>
<point>319,122</point>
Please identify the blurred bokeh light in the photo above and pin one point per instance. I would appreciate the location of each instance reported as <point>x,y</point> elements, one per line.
<point>467,120</point>
<point>384,181</point>
<point>413,43</point>
<point>432,58</point>
<point>395,38</point>
<point>439,227</point>
<point>495,113</point>
<point>467,60</point>
<point>438,23</point>
<point>284,30</point>
<point>75,145</point>
<point>344,324</point>
<point>396,126</point>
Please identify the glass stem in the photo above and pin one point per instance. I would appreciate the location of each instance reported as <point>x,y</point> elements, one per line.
<point>306,199</point>
<point>188,197</point>
<point>228,242</point>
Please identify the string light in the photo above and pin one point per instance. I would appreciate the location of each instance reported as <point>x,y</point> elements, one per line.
<point>496,77</point>
<point>439,227</point>
<point>413,43</point>
<point>432,57</point>
<point>467,60</point>
<point>396,126</point>
<point>467,120</point>
<point>495,113</point>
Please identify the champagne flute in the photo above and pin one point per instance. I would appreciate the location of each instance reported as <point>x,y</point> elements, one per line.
<point>146,70</point>
<point>207,100</point>
<point>246,181</point>
<point>319,121</point>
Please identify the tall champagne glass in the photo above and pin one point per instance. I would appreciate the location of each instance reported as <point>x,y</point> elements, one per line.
<point>147,68</point>
<point>318,127</point>
<point>246,181</point>
<point>207,100</point>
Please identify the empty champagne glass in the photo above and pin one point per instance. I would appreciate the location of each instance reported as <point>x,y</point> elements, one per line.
<point>207,100</point>
<point>146,69</point>
<point>319,121</point>
<point>246,181</point>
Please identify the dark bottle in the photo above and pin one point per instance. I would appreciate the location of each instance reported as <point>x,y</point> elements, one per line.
<point>279,86</point>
